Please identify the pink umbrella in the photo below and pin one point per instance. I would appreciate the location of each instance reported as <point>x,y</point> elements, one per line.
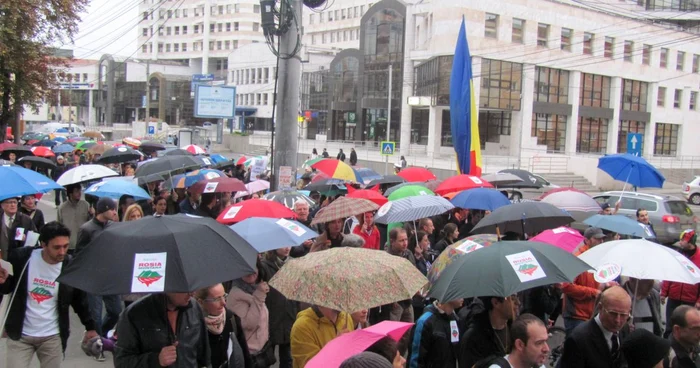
<point>561,237</point>
<point>349,344</point>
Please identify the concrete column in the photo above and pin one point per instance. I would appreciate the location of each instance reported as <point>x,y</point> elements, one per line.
<point>434,130</point>
<point>572,121</point>
<point>650,127</point>
<point>407,88</point>
<point>206,38</point>
<point>521,121</point>
<point>616,105</point>
<point>90,108</point>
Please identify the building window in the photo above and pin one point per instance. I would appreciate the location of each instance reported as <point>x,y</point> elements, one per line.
<point>680,61</point>
<point>184,47</point>
<point>167,47</point>
<point>446,134</point>
<point>592,135</point>
<point>227,45</point>
<point>566,39</point>
<point>677,98</point>
<point>235,26</point>
<point>167,31</point>
<point>551,85</point>
<point>629,48</point>
<point>588,43</point>
<point>177,30</point>
<point>696,63</point>
<point>184,30</point>
<point>419,126</point>
<point>256,27</point>
<point>256,8</point>
<point>228,26</point>
<point>693,101</point>
<point>609,47</point>
<point>595,90</point>
<point>501,83</point>
<point>144,48</point>
<point>634,95</point>
<point>550,131</point>
<point>518,31</point>
<point>218,45</point>
<point>176,47</point>
<point>491,26</point>
<point>212,27</point>
<point>663,58</point>
<point>493,125</point>
<point>145,15</point>
<point>220,27</point>
<point>542,34</point>
<point>661,97</point>
<point>144,32</point>
<point>235,44</point>
<point>196,28</point>
<point>184,13</point>
<point>665,139</point>
<point>627,127</point>
<point>160,47</point>
<point>221,9</point>
<point>646,54</point>
<point>236,8</point>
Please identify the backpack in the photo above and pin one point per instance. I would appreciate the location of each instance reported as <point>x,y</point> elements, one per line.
<point>493,362</point>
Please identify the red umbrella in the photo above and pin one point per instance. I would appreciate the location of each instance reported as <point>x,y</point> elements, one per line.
<point>42,151</point>
<point>564,189</point>
<point>368,194</point>
<point>218,185</point>
<point>416,174</point>
<point>31,141</point>
<point>254,208</point>
<point>241,161</point>
<point>6,145</point>
<point>461,182</point>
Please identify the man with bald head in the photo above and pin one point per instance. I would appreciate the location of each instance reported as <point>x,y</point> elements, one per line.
<point>596,343</point>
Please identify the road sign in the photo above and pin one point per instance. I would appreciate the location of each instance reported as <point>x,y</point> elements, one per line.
<point>151,130</point>
<point>201,79</point>
<point>215,102</point>
<point>388,148</point>
<point>634,143</point>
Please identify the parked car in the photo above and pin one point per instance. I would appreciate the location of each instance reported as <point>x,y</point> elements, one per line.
<point>532,183</point>
<point>670,215</point>
<point>691,190</point>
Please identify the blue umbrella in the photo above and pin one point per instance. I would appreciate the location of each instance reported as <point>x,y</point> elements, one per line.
<point>217,158</point>
<point>45,143</point>
<point>60,139</point>
<point>63,148</point>
<point>631,169</point>
<point>269,233</point>
<point>115,189</point>
<point>197,175</point>
<point>366,175</point>
<point>18,181</point>
<point>620,224</point>
<point>61,130</point>
<point>480,199</point>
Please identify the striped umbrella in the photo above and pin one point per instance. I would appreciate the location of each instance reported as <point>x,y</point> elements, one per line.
<point>343,207</point>
<point>194,149</point>
<point>412,208</point>
<point>336,169</point>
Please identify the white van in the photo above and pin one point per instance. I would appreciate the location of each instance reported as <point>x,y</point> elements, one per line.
<point>52,127</point>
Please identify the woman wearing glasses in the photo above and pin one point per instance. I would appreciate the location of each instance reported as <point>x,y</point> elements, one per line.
<point>221,325</point>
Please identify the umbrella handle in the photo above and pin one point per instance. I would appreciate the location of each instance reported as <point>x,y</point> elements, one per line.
<point>625,186</point>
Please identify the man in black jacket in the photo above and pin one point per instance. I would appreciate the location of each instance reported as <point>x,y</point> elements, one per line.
<point>11,220</point>
<point>488,332</point>
<point>685,337</point>
<point>435,337</point>
<point>162,330</point>
<point>38,320</point>
<point>353,157</point>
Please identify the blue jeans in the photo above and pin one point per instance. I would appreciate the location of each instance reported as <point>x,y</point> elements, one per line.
<point>113,306</point>
<point>570,324</point>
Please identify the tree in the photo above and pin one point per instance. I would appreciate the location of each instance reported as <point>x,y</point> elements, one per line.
<point>29,30</point>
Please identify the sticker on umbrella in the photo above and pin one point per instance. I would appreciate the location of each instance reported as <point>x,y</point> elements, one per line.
<point>607,272</point>
<point>563,229</point>
<point>149,273</point>
<point>476,180</point>
<point>232,212</point>
<point>210,188</point>
<point>468,246</point>
<point>212,175</point>
<point>121,149</point>
<point>526,266</point>
<point>384,209</point>
<point>693,269</point>
<point>296,229</point>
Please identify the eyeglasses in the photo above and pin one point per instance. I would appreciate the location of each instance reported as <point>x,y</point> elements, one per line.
<point>625,315</point>
<point>11,203</point>
<point>216,300</point>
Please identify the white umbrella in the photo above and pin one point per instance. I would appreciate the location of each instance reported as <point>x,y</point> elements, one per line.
<point>85,173</point>
<point>502,179</point>
<point>642,259</point>
<point>254,187</point>
<point>572,201</point>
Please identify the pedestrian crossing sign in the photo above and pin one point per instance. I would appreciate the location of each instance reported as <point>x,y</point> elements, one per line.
<point>388,148</point>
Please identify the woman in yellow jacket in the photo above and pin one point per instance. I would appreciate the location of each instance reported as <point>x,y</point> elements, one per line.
<point>313,329</point>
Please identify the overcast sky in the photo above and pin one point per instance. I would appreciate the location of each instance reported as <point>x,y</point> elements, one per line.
<point>107,27</point>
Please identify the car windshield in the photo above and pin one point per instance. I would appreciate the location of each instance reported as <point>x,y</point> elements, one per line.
<point>679,208</point>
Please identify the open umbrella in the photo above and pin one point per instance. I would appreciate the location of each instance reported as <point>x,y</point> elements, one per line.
<point>194,149</point>
<point>42,151</point>
<point>306,163</point>
<point>45,143</point>
<point>461,182</point>
<point>131,142</point>
<point>288,197</point>
<point>7,145</point>
<point>115,189</point>
<point>40,162</point>
<point>118,155</point>
<point>524,217</point>
<point>345,346</point>
<point>480,199</point>
<point>620,224</point>
<point>528,180</point>
<point>412,208</point>
<point>505,268</point>
<point>241,160</point>
<point>336,169</point>
<point>167,164</point>
<point>93,135</point>
<point>458,249</point>
<point>631,169</point>
<point>562,237</point>
<point>195,176</point>
<point>59,139</point>
<point>178,152</point>
<point>160,254</point>
<point>98,149</point>
<point>562,189</point>
<point>253,187</point>
<point>85,173</point>
<point>19,151</point>
<point>150,146</point>
<point>343,207</point>
<point>84,145</point>
<point>368,194</point>
<point>269,233</point>
<point>348,279</point>
<point>416,174</point>
<point>365,174</point>
<point>328,187</point>
<point>387,179</point>
<point>254,208</point>
<point>216,158</point>
<point>63,148</point>
<point>572,201</point>
<point>502,179</point>
<point>403,191</point>
<point>18,181</point>
<point>218,185</point>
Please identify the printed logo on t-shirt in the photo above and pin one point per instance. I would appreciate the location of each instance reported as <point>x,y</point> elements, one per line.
<point>42,290</point>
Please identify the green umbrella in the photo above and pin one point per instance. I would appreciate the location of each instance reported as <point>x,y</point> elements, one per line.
<point>505,268</point>
<point>85,145</point>
<point>410,191</point>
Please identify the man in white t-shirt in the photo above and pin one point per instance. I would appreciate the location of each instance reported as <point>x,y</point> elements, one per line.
<point>528,337</point>
<point>38,319</point>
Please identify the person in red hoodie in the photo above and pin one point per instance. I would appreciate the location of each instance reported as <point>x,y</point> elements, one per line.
<point>368,230</point>
<point>679,293</point>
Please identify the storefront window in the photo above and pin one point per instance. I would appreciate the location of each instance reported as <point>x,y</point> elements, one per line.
<point>492,125</point>
<point>550,131</point>
<point>419,126</point>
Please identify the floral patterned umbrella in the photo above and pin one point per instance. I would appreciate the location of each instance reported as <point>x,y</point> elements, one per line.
<point>348,279</point>
<point>458,249</point>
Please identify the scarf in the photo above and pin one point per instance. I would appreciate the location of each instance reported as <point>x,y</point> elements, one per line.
<point>279,262</point>
<point>215,324</point>
<point>246,287</point>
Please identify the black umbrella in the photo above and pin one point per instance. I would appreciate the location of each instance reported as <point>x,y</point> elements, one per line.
<point>160,254</point>
<point>505,268</point>
<point>19,151</point>
<point>387,179</point>
<point>167,164</point>
<point>178,152</point>
<point>39,162</point>
<point>524,217</point>
<point>45,143</point>
<point>224,165</point>
<point>151,146</point>
<point>528,180</point>
<point>119,154</point>
<point>327,187</point>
